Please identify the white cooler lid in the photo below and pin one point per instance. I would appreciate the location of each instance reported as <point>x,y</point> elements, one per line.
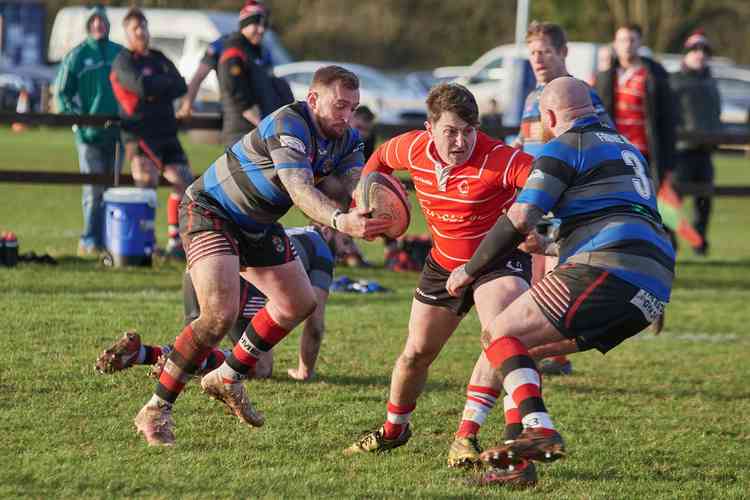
<point>130,195</point>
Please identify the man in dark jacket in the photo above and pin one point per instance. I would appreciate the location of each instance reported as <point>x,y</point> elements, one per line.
<point>635,91</point>
<point>699,110</point>
<point>248,90</point>
<point>146,83</point>
<point>83,88</point>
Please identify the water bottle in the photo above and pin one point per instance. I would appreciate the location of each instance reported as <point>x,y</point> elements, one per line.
<point>11,249</point>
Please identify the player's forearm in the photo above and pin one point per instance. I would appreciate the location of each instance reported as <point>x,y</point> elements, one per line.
<point>313,203</point>
<point>195,83</point>
<point>507,233</point>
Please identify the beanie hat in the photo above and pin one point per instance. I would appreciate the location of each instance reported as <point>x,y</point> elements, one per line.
<point>96,11</point>
<point>697,40</point>
<point>253,12</point>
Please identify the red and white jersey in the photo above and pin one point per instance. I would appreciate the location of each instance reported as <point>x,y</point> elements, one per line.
<point>459,203</point>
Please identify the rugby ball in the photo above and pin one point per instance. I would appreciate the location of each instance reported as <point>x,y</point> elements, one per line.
<point>387,198</point>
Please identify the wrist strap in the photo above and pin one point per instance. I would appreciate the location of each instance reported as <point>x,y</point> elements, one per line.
<point>336,213</point>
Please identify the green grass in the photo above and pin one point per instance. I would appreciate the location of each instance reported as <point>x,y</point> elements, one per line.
<point>659,417</point>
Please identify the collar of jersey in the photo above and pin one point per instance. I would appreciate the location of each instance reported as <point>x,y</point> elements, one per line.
<point>436,160</point>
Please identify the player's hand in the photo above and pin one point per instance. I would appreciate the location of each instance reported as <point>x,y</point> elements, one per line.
<point>184,111</point>
<point>457,281</point>
<point>535,243</point>
<point>356,223</point>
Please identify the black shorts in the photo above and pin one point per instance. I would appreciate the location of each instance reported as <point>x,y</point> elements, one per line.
<point>594,307</point>
<point>160,151</point>
<point>206,231</point>
<point>431,288</point>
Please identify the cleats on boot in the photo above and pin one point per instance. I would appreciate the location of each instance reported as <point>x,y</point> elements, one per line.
<point>121,355</point>
<point>541,445</point>
<point>156,425</point>
<point>234,397</point>
<point>464,452</point>
<point>374,442</point>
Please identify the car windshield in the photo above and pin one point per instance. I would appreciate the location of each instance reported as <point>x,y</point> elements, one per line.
<point>734,90</point>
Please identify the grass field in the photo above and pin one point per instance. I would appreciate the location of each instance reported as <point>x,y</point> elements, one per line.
<point>659,417</point>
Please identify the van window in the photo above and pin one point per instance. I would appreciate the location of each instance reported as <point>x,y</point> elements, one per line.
<point>173,47</point>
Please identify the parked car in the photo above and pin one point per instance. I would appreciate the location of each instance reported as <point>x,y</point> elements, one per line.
<point>182,34</point>
<point>34,78</point>
<point>423,81</point>
<point>392,103</point>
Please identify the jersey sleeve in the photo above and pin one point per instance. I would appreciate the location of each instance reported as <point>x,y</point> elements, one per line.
<point>288,140</point>
<point>213,52</point>
<point>234,79</point>
<point>391,155</point>
<point>517,170</point>
<point>549,178</point>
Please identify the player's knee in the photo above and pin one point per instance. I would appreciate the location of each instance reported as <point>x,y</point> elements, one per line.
<point>414,360</point>
<point>295,312</point>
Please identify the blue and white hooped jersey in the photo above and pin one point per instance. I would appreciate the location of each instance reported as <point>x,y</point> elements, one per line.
<point>245,182</point>
<point>598,184</point>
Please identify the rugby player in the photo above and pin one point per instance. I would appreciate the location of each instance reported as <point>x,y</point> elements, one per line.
<point>616,262</point>
<point>464,182</point>
<point>229,225</point>
<point>145,83</point>
<point>548,49</point>
<point>312,245</point>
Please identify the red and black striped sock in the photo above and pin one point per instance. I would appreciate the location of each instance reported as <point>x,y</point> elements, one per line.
<point>188,354</point>
<point>521,380</point>
<point>479,401</point>
<point>260,336</point>
<point>513,426</point>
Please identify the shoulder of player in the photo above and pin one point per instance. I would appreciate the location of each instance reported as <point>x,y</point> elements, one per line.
<point>288,122</point>
<point>406,148</point>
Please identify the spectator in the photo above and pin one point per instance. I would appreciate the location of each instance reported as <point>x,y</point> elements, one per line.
<point>635,91</point>
<point>699,110</point>
<point>210,62</point>
<point>83,88</point>
<point>146,83</point>
<point>364,121</point>
<point>248,91</point>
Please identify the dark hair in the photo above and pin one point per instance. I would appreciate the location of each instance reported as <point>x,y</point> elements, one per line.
<point>455,98</point>
<point>632,27</point>
<point>134,13</point>
<point>554,32</point>
<point>328,75</point>
<point>365,113</point>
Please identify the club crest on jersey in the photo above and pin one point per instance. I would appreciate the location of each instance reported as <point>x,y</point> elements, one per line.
<point>294,143</point>
<point>463,187</point>
<point>278,244</point>
<point>147,71</point>
<point>536,174</point>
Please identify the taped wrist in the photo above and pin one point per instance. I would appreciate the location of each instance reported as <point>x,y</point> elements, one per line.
<point>502,239</point>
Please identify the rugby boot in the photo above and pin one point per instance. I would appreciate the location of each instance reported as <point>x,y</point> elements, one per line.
<point>234,397</point>
<point>534,443</point>
<point>517,475</point>
<point>374,442</point>
<point>156,425</point>
<point>464,452</point>
<point>121,355</point>
<point>558,365</point>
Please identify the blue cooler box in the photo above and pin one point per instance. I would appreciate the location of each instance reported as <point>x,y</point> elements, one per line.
<point>130,225</point>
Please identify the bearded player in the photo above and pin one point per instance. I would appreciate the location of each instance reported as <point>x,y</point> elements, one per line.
<point>464,182</point>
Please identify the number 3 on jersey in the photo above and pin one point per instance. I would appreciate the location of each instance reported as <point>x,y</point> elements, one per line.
<point>641,182</point>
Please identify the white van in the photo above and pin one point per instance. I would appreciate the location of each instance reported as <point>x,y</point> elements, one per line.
<point>486,75</point>
<point>183,35</point>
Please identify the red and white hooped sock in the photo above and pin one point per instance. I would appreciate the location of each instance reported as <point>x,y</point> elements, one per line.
<point>479,402</point>
<point>397,418</point>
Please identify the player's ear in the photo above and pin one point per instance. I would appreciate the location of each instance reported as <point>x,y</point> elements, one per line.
<point>551,118</point>
<point>428,127</point>
<point>312,99</point>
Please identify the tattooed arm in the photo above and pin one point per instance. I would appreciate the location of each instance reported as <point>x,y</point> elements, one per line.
<point>319,207</point>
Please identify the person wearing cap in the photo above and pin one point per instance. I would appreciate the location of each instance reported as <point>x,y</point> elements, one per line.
<point>82,87</point>
<point>248,91</point>
<point>210,62</point>
<point>698,110</point>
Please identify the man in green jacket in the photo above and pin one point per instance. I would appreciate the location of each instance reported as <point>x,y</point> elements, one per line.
<point>83,88</point>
